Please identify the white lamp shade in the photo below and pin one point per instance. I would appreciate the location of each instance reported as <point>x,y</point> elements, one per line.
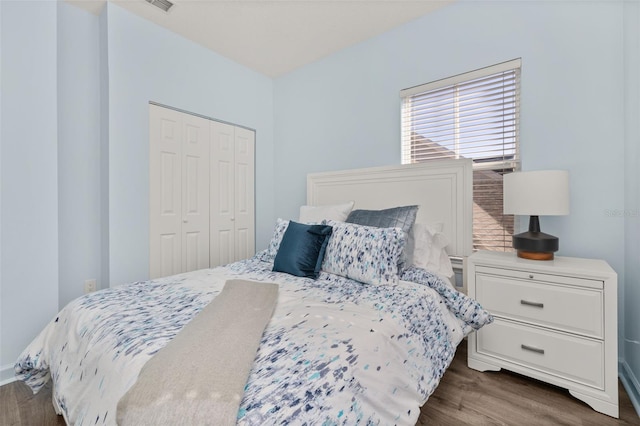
<point>537,193</point>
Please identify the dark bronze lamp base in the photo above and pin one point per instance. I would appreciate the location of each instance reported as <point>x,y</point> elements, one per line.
<point>535,245</point>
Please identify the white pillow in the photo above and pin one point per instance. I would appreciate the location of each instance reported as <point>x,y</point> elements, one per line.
<point>411,239</point>
<point>429,249</point>
<point>316,214</point>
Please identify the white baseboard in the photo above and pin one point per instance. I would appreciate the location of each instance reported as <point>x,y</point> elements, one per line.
<point>7,375</point>
<point>631,384</point>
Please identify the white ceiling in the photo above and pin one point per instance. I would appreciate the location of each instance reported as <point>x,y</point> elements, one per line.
<point>274,37</point>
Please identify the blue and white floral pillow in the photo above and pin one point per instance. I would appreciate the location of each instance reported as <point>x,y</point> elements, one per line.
<point>269,254</point>
<point>364,253</point>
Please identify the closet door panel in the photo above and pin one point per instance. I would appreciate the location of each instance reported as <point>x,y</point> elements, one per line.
<point>202,192</point>
<point>192,251</point>
<point>195,193</point>
<point>169,256</point>
<point>245,193</point>
<point>165,206</point>
<point>223,240</point>
<point>222,194</point>
<point>244,242</point>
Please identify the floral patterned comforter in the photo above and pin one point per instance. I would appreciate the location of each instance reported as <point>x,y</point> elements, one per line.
<point>336,351</point>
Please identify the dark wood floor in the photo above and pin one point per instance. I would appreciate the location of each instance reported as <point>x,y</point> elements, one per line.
<point>464,397</point>
<point>469,397</point>
<point>19,406</point>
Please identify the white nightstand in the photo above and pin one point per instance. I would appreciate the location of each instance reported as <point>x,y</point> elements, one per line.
<point>556,321</point>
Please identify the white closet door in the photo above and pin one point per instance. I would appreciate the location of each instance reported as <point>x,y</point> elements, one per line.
<point>195,193</point>
<point>178,192</point>
<point>222,198</point>
<point>244,193</point>
<point>165,203</point>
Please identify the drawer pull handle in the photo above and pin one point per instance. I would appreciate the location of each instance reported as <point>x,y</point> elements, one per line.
<point>532,349</point>
<point>534,304</point>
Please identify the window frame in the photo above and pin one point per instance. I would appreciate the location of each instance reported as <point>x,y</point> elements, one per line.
<point>501,164</point>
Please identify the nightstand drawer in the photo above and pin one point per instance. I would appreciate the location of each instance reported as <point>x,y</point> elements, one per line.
<point>541,277</point>
<point>569,357</point>
<point>572,309</point>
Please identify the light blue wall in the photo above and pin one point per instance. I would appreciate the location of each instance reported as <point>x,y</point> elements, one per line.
<point>74,145</point>
<point>344,111</point>
<point>78,150</point>
<point>149,63</point>
<point>29,175</point>
<point>3,366</point>
<point>104,148</point>
<point>631,364</point>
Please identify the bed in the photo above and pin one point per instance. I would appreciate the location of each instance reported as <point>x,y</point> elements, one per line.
<point>363,338</point>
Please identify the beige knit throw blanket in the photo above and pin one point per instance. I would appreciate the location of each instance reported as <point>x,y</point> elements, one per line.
<point>198,378</point>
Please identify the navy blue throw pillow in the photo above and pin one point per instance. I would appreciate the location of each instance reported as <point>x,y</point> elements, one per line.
<point>302,249</point>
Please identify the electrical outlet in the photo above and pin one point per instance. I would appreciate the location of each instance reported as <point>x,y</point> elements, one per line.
<point>90,285</point>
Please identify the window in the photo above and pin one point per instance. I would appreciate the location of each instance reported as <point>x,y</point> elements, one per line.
<point>473,115</point>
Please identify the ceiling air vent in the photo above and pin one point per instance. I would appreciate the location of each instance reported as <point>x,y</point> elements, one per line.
<point>162,4</point>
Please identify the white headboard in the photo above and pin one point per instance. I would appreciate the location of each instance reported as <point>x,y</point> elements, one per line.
<point>442,189</point>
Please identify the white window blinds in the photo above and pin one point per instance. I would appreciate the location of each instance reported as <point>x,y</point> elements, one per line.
<point>473,115</point>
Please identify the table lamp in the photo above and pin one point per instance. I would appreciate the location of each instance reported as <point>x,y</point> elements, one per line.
<point>536,193</point>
